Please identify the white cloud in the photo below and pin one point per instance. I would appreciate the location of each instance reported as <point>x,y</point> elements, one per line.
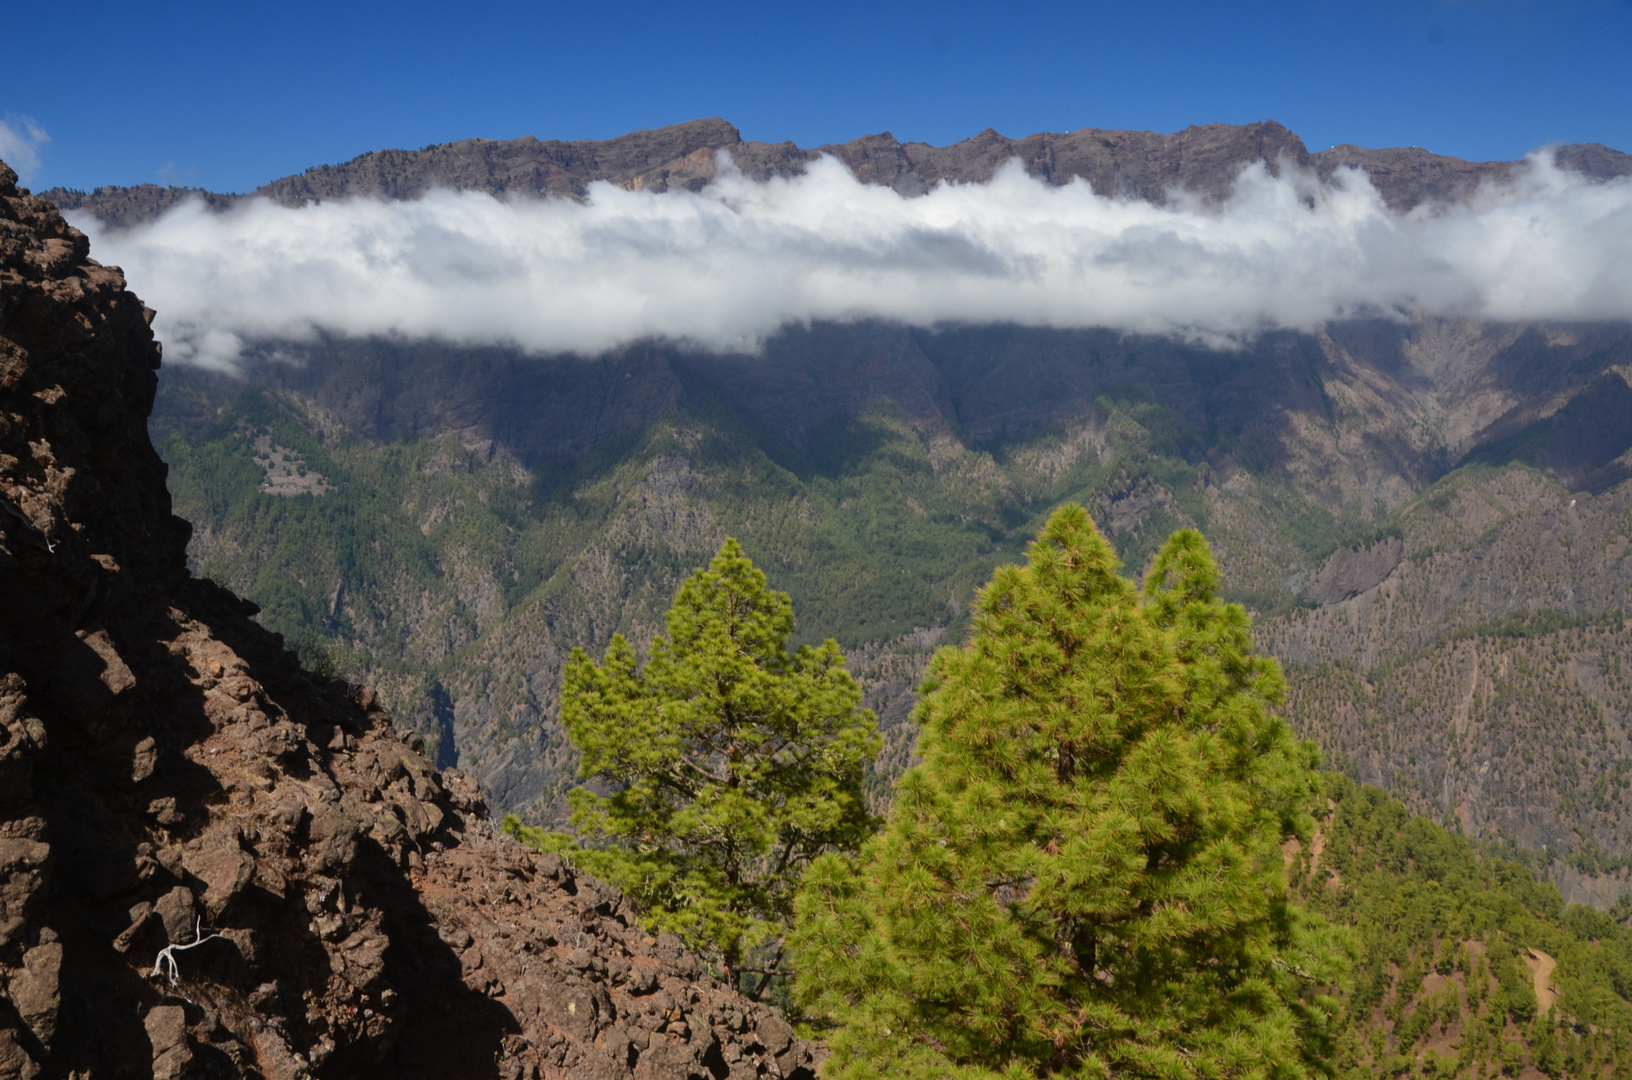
<point>20,142</point>
<point>728,266</point>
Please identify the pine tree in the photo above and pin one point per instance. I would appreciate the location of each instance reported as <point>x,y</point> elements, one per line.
<point>1084,876</point>
<point>735,763</point>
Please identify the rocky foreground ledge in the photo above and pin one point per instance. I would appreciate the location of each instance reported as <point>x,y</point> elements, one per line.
<point>213,864</point>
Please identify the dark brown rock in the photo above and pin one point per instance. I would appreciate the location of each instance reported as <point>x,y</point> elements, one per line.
<point>178,913</point>
<point>774,1034</point>
<point>16,1063</point>
<point>35,992</point>
<point>224,868</point>
<point>167,1030</point>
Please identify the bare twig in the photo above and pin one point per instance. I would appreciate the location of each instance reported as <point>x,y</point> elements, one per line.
<point>165,964</point>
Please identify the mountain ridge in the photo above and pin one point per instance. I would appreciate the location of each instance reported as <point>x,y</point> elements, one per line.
<point>1203,159</point>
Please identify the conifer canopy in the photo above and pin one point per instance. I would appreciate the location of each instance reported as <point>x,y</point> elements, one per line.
<point>1084,876</point>
<point>735,762</point>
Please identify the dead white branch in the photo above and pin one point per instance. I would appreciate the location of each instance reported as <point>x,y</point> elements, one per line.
<point>165,964</point>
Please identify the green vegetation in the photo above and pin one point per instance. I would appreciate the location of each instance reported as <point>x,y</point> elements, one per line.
<point>446,573</point>
<point>1529,624</point>
<point>874,527</point>
<point>457,581</point>
<point>1084,877</point>
<point>870,525</point>
<point>1453,946</point>
<point>443,573</point>
<point>1534,700</point>
<point>734,763</point>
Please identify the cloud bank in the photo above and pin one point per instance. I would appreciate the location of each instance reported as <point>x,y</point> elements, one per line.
<point>724,268</point>
<point>20,142</point>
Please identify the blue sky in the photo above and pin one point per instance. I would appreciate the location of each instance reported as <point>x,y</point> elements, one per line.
<point>230,96</point>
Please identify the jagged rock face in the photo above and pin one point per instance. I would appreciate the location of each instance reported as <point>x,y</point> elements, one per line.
<point>213,865</point>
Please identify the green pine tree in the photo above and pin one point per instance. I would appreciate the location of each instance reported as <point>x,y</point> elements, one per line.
<point>1084,876</point>
<point>735,763</point>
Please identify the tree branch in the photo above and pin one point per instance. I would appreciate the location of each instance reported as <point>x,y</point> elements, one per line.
<point>165,963</point>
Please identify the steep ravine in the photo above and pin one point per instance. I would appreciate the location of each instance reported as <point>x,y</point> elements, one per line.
<point>167,769</point>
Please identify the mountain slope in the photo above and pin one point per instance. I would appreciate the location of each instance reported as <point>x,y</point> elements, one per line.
<point>1475,661</point>
<point>1466,966</point>
<point>490,511</point>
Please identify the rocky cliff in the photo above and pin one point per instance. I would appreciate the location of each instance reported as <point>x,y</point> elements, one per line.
<point>1204,159</point>
<point>215,864</point>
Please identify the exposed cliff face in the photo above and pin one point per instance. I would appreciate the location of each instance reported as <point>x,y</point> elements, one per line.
<point>167,770</point>
<point>1204,159</point>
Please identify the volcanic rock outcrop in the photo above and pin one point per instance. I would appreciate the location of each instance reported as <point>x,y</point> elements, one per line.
<point>213,863</point>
